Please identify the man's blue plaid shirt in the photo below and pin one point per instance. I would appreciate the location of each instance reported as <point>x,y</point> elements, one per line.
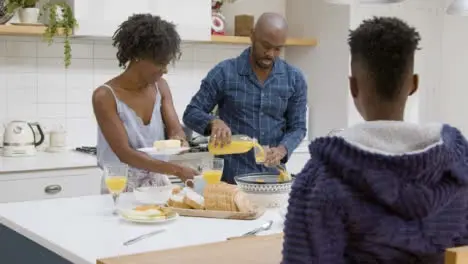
<point>273,112</point>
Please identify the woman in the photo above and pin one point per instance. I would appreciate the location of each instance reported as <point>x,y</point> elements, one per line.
<point>135,108</point>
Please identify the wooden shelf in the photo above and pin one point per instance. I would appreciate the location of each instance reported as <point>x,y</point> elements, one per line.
<point>246,40</point>
<point>13,30</point>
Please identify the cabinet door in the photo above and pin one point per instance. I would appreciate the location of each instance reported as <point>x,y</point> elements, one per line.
<point>38,185</point>
<point>192,17</point>
<point>102,17</point>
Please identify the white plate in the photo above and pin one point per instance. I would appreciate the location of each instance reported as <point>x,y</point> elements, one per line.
<point>148,221</point>
<point>168,152</point>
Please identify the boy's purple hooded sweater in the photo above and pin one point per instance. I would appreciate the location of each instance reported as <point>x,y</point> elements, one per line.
<point>380,192</point>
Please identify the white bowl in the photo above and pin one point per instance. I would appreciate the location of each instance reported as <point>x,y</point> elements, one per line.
<point>153,194</point>
<point>268,200</point>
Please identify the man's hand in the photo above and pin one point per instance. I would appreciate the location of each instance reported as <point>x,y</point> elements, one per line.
<point>220,133</point>
<point>275,155</point>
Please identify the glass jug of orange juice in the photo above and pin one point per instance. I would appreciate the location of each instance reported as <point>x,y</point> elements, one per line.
<point>239,144</point>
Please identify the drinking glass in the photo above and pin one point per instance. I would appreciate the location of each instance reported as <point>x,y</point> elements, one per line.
<point>116,177</point>
<point>261,153</point>
<point>212,170</point>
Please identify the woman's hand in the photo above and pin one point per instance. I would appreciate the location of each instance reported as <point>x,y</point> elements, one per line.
<point>183,141</point>
<point>186,173</point>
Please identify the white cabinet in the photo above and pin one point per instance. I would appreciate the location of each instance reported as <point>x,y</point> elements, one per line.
<point>192,17</point>
<point>101,18</point>
<point>47,184</point>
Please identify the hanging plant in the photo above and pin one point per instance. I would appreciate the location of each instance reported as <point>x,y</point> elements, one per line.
<point>61,22</point>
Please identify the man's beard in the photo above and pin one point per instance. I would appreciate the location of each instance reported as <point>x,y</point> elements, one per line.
<point>258,61</point>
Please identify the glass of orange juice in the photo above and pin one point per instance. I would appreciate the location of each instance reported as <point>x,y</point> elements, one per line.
<point>212,170</point>
<point>115,177</point>
<point>260,153</point>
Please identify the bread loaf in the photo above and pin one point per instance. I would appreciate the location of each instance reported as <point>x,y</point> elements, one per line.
<point>220,197</point>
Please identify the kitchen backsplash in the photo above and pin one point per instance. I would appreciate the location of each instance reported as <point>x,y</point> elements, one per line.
<point>34,85</point>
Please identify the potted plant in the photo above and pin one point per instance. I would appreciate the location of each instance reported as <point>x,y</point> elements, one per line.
<point>27,10</point>
<point>61,21</point>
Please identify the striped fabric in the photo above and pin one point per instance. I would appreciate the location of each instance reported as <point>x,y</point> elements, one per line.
<point>273,112</point>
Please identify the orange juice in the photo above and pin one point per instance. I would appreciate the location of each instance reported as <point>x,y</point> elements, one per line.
<point>239,145</point>
<point>284,176</point>
<point>235,147</point>
<point>116,184</point>
<point>212,176</point>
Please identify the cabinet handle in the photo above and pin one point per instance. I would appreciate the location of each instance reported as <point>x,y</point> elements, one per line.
<point>53,189</point>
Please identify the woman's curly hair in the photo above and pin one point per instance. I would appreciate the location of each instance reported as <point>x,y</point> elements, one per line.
<point>144,36</point>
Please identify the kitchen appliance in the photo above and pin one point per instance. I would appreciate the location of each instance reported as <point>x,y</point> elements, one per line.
<point>19,139</point>
<point>87,150</point>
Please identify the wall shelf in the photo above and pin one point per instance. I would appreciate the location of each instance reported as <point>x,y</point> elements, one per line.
<point>246,40</point>
<point>12,30</point>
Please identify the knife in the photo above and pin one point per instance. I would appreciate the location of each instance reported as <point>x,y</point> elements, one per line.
<point>138,238</point>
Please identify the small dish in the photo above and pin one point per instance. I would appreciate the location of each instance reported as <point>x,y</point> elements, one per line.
<point>153,194</point>
<point>147,214</point>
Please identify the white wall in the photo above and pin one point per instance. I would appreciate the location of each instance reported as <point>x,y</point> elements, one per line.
<point>453,90</point>
<point>425,15</point>
<point>325,66</point>
<point>34,85</point>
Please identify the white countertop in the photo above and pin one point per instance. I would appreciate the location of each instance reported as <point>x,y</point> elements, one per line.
<point>47,161</point>
<point>82,229</point>
<point>67,160</point>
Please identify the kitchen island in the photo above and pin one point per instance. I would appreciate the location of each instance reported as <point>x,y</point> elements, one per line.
<point>81,230</point>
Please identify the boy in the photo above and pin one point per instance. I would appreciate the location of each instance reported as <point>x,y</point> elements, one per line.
<point>384,191</point>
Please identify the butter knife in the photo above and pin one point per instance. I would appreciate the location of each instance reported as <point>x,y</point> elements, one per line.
<point>138,238</point>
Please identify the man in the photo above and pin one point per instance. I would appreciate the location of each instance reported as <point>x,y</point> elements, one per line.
<point>384,191</point>
<point>258,94</point>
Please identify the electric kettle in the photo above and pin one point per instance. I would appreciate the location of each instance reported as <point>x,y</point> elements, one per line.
<point>19,139</point>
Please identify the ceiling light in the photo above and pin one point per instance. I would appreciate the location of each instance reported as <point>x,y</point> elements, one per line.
<point>458,7</point>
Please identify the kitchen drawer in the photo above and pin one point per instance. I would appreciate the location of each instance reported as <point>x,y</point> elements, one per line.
<point>50,184</point>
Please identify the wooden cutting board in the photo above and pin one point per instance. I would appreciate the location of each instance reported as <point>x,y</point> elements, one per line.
<point>220,214</point>
<point>248,250</point>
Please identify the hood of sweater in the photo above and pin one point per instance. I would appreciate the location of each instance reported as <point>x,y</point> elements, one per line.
<point>413,170</point>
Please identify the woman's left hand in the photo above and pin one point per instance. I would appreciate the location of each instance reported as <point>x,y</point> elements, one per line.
<point>183,141</point>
